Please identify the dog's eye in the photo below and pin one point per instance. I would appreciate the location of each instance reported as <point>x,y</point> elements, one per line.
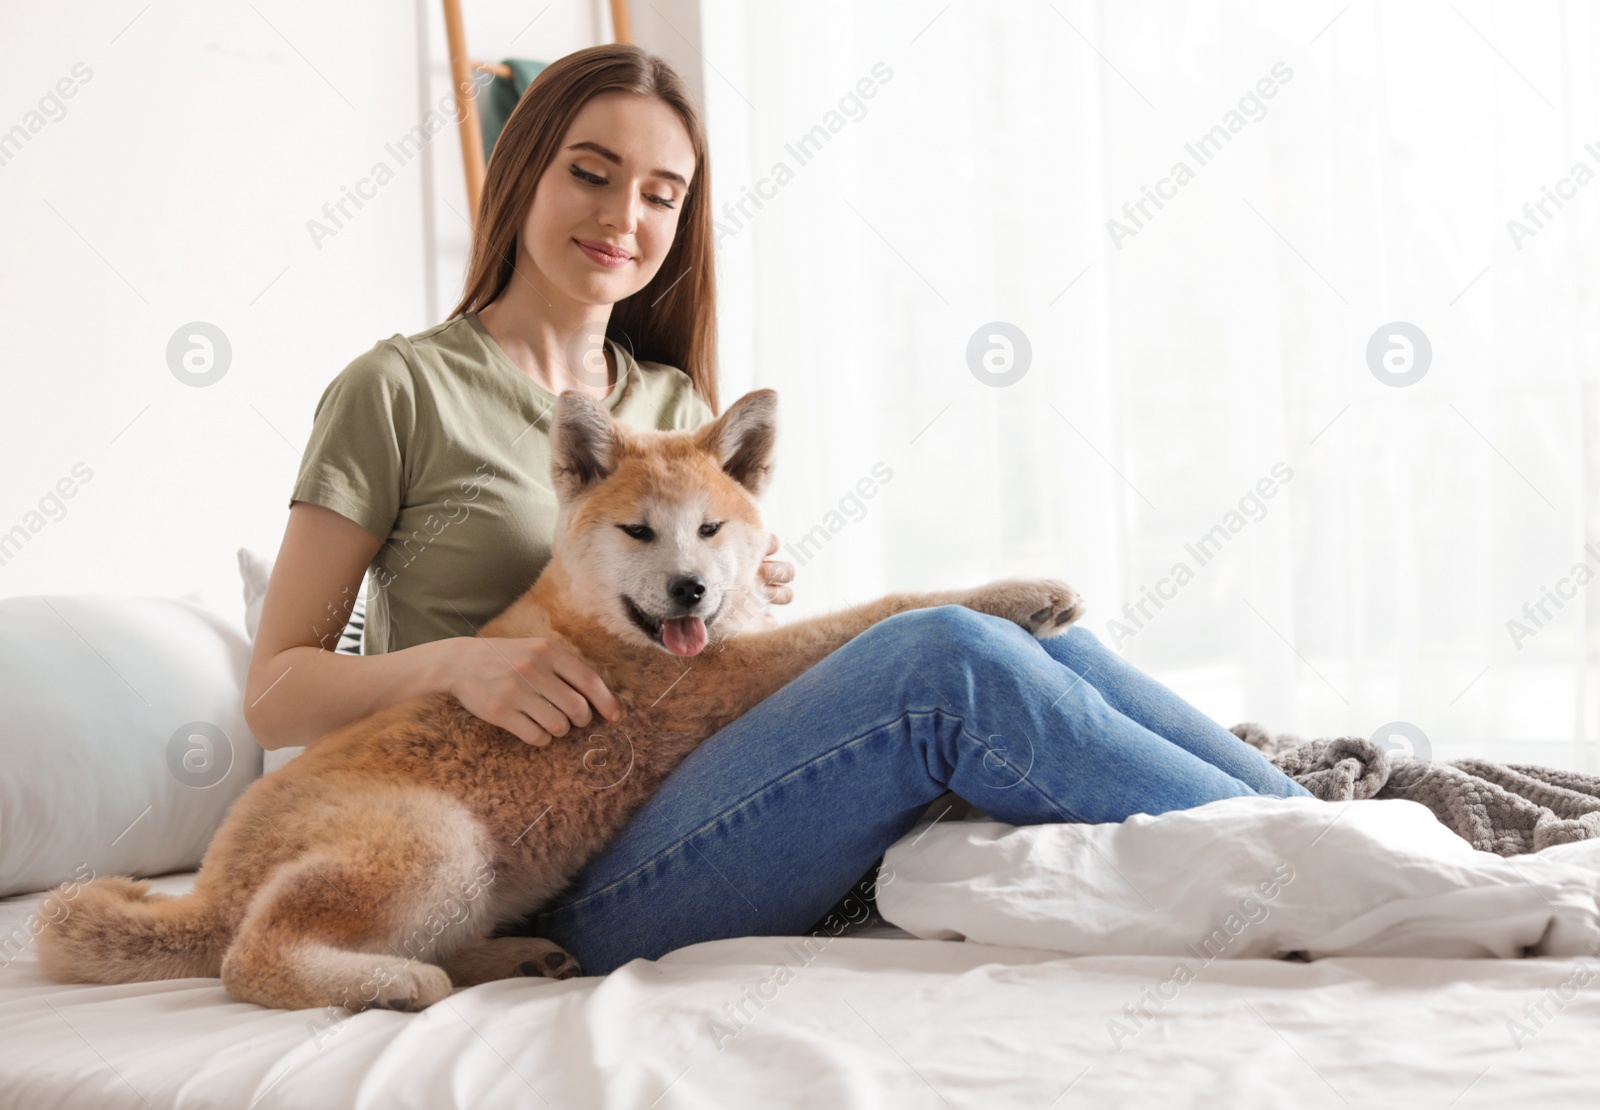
<point>638,531</point>
<point>709,530</point>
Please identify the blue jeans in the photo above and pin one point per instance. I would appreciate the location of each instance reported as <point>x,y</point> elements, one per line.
<point>771,820</point>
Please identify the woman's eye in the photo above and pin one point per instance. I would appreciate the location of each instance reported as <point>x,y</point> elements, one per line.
<point>637,531</point>
<point>595,179</point>
<point>709,530</point>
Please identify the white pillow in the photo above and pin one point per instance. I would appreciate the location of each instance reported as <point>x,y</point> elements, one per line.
<point>254,570</point>
<point>122,735</point>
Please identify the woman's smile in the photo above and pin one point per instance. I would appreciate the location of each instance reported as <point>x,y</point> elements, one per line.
<point>603,254</point>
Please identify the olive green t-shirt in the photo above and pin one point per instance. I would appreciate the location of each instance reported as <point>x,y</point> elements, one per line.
<point>439,446</point>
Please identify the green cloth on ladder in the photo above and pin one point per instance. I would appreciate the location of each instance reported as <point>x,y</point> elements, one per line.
<point>503,93</point>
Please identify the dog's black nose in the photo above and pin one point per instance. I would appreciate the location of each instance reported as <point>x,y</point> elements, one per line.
<point>687,590</point>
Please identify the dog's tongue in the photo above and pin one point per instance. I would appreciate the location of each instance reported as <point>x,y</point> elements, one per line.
<point>684,635</point>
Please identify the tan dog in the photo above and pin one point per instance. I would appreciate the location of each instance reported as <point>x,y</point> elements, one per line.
<point>373,869</point>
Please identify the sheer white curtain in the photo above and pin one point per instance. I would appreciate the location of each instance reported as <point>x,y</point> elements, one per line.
<point>1200,442</point>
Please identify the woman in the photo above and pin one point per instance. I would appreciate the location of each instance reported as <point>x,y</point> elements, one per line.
<point>429,464</point>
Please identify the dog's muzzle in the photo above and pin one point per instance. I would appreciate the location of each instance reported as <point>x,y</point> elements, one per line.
<point>681,635</point>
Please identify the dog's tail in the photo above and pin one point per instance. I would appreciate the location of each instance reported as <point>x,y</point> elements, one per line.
<point>110,930</point>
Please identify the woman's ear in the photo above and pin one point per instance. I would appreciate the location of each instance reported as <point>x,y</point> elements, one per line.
<point>584,443</point>
<point>744,439</point>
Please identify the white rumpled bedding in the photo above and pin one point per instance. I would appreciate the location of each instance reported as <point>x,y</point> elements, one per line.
<point>885,1020</point>
<point>1245,877</point>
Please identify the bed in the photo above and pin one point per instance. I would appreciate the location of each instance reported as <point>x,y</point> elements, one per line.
<point>881,1016</point>
<point>1334,954</point>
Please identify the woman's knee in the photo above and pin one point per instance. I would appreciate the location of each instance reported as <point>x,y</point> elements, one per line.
<point>947,632</point>
<point>942,621</point>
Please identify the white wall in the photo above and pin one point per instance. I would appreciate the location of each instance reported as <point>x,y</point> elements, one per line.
<point>176,184</point>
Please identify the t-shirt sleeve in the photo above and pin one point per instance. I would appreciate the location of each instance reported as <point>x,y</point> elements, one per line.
<point>355,461</point>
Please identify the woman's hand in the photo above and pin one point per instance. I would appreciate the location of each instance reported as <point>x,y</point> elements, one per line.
<point>532,687</point>
<point>773,573</point>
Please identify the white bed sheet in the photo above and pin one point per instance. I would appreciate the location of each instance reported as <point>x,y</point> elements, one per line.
<point>868,1022</point>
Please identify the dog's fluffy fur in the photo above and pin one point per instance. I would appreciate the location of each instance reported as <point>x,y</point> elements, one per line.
<point>374,869</point>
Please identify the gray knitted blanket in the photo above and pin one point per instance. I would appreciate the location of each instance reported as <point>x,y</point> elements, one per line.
<point>1506,808</point>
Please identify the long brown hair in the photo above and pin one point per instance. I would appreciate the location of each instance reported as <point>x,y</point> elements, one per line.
<point>672,320</point>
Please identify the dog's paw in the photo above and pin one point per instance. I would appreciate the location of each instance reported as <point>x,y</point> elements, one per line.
<point>494,958</point>
<point>557,963</point>
<point>1044,606</point>
<point>408,988</point>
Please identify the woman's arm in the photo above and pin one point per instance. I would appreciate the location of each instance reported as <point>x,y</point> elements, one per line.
<point>298,688</point>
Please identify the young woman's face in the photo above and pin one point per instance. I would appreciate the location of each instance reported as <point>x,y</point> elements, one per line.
<point>606,209</point>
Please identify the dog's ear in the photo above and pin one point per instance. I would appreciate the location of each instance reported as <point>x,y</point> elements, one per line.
<point>583,444</point>
<point>744,438</point>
